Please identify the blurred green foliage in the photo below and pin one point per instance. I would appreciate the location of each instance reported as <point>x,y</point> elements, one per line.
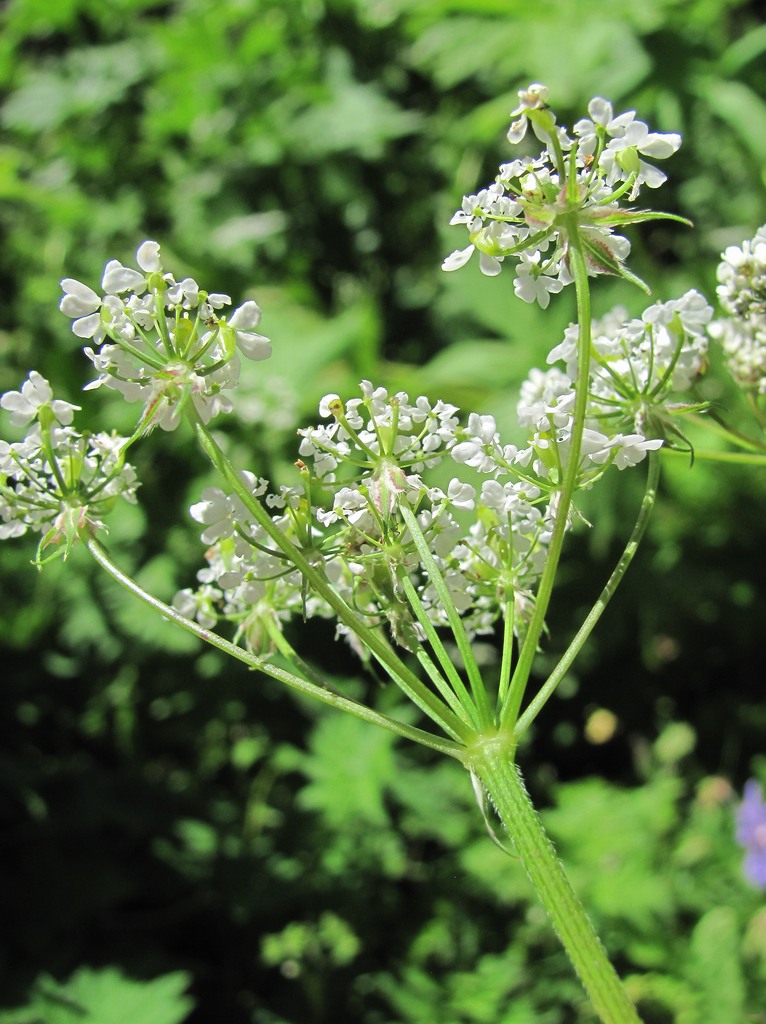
<point>164,811</point>
<point>105,997</point>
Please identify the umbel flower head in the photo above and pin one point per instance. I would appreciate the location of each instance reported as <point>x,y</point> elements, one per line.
<point>536,205</point>
<point>160,341</point>
<point>487,529</point>
<point>742,295</point>
<point>57,481</point>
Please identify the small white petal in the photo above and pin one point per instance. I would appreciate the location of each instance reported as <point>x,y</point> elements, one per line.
<point>247,316</point>
<point>87,326</point>
<point>458,258</point>
<point>254,346</point>
<point>600,110</point>
<point>121,279</point>
<point>660,146</point>
<point>148,257</point>
<point>326,403</point>
<point>489,265</point>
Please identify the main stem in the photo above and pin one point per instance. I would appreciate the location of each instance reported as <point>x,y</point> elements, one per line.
<point>491,761</point>
<point>510,710</point>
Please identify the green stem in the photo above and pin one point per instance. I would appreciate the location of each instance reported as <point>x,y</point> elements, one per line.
<point>506,663</point>
<point>457,696</point>
<point>710,455</point>
<point>512,704</point>
<point>327,696</point>
<point>491,761</point>
<point>479,693</point>
<point>553,680</point>
<point>755,409</point>
<point>407,681</point>
<point>717,425</point>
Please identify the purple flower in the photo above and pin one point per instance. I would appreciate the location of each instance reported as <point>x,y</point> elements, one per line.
<point>751,833</point>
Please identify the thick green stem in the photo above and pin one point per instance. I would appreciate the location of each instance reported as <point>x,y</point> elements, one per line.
<point>491,761</point>
<point>510,710</point>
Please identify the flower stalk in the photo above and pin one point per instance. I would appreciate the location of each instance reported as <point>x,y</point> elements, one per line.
<point>311,689</point>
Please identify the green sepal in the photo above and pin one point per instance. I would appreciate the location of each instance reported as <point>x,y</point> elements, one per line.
<point>600,256</point>
<point>227,337</point>
<point>628,217</point>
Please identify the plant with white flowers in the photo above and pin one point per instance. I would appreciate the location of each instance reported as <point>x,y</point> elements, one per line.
<point>410,566</point>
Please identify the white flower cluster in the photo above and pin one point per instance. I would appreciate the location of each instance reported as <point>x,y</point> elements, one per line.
<point>742,295</point>
<point>358,470</point>
<point>161,341</point>
<point>527,211</point>
<point>487,529</point>
<point>637,369</point>
<point>57,481</point>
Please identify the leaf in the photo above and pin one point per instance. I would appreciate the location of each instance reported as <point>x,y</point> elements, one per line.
<point>356,117</point>
<point>105,996</point>
<point>349,768</point>
<point>87,82</point>
<point>739,107</point>
<point>715,967</point>
<point>609,838</point>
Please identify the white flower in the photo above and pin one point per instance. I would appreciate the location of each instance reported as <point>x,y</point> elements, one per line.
<point>79,300</point>
<point>214,511</point>
<point>183,293</point>
<point>82,304</point>
<point>327,403</point>
<point>620,158</point>
<point>198,605</point>
<point>632,449</point>
<point>461,495</point>
<point>534,97</point>
<point>546,399</point>
<point>35,392</point>
<point>533,286</point>
<point>602,114</point>
<point>482,447</point>
<point>252,345</point>
<point>118,279</point>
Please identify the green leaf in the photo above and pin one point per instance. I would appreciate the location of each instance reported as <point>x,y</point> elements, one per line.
<point>87,82</point>
<point>105,996</point>
<point>356,117</point>
<point>739,107</point>
<point>715,967</point>
<point>349,768</point>
<point>609,838</point>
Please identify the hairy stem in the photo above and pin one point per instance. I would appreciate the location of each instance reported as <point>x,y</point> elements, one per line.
<point>491,761</point>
